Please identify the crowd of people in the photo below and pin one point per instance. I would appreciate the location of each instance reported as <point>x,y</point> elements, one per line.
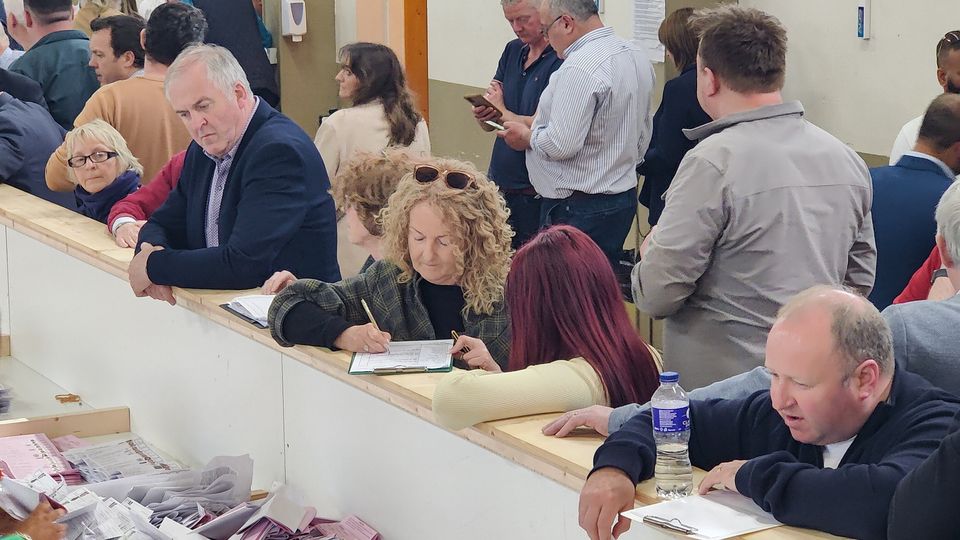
<point>804,295</point>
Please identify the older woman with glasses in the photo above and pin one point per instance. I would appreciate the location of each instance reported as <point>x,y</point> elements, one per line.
<point>446,247</point>
<point>102,167</point>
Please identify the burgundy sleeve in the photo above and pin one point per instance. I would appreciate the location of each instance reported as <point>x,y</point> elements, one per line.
<point>142,203</point>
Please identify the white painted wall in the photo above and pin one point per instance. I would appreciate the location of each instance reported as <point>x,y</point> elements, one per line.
<point>346,15</point>
<point>4,286</point>
<point>467,37</point>
<point>862,91</point>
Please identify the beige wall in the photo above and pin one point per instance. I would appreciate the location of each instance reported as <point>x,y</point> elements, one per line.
<point>862,91</point>
<point>307,67</point>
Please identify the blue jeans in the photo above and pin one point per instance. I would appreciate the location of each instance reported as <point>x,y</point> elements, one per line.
<point>524,216</point>
<point>605,218</point>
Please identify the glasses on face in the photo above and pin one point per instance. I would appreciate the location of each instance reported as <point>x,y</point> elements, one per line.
<point>950,38</point>
<point>97,157</point>
<point>454,179</point>
<point>547,28</point>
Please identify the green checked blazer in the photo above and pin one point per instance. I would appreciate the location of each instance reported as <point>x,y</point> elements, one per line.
<point>396,307</point>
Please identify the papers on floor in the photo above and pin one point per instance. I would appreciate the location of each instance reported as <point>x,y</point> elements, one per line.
<point>5,397</point>
<point>131,456</point>
<point>406,357</point>
<point>185,498</point>
<point>716,515</point>
<point>253,307</point>
<point>23,455</point>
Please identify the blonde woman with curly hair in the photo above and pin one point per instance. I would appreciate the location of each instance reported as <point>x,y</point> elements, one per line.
<point>368,182</point>
<point>446,247</point>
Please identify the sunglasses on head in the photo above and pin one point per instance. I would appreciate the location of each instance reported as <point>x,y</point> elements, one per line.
<point>454,179</point>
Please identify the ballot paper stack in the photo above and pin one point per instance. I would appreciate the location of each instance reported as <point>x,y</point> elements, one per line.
<point>22,455</point>
<point>131,456</point>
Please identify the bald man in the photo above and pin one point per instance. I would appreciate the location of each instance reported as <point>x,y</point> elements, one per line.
<point>824,448</point>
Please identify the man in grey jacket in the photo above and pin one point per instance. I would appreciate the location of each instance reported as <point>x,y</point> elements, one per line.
<point>765,206</point>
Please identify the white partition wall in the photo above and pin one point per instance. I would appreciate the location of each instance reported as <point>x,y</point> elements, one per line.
<point>4,286</point>
<point>355,454</point>
<point>195,389</point>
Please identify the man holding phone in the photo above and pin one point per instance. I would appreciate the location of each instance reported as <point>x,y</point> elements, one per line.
<point>514,93</point>
<point>592,127</point>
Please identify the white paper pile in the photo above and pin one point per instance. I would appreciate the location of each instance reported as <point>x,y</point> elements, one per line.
<point>118,459</point>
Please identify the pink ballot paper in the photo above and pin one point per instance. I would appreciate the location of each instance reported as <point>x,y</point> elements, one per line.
<point>23,455</point>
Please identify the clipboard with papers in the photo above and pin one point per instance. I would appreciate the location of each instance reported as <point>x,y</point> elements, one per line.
<point>252,308</point>
<point>405,357</point>
<point>714,516</point>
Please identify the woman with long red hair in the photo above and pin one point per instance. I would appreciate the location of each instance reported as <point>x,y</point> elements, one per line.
<point>572,344</point>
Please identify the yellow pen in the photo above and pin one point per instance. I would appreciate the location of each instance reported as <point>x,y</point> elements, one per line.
<point>370,316</point>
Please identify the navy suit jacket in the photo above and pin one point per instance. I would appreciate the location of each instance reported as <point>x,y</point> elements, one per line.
<point>28,135</point>
<point>678,110</point>
<point>905,197</point>
<point>276,214</point>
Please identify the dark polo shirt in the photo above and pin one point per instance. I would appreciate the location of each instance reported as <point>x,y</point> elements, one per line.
<point>521,95</point>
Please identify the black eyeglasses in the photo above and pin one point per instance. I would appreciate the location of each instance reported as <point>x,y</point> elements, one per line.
<point>97,157</point>
<point>950,38</point>
<point>454,179</point>
<point>547,28</point>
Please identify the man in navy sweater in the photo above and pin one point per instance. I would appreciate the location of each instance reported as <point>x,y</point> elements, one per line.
<point>253,195</point>
<point>824,448</point>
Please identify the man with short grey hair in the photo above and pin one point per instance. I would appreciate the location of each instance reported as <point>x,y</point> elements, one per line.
<point>522,75</point>
<point>253,194</point>
<point>592,127</point>
<point>56,54</point>
<point>823,448</point>
<point>922,331</point>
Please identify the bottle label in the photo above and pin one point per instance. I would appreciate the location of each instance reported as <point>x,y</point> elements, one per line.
<point>670,420</point>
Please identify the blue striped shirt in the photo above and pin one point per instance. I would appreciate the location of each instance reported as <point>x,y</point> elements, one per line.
<point>593,125</point>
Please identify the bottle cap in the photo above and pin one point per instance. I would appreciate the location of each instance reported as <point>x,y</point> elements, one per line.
<point>669,377</point>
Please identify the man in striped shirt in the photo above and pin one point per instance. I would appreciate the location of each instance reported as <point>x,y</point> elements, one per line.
<point>591,128</point>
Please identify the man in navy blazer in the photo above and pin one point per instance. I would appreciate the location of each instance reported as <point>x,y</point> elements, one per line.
<point>28,135</point>
<point>252,197</point>
<point>905,196</point>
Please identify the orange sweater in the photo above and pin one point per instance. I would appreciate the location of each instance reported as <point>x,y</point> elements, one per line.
<point>137,108</point>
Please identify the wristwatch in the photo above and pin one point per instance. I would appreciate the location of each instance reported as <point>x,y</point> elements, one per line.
<point>938,273</point>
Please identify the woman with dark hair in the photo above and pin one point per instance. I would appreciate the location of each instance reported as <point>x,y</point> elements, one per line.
<point>679,110</point>
<point>384,113</point>
<point>571,346</point>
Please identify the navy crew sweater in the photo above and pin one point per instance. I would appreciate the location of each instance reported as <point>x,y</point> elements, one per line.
<point>787,478</point>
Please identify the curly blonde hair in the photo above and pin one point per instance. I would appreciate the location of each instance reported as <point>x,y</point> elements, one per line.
<point>477,217</point>
<point>367,182</point>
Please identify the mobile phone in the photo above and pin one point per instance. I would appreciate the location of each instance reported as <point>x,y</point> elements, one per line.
<point>479,101</point>
<point>494,125</point>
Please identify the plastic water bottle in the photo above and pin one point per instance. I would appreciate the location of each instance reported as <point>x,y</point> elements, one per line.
<point>671,432</point>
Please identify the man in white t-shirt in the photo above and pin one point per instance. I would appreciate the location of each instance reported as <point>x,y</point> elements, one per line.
<point>948,75</point>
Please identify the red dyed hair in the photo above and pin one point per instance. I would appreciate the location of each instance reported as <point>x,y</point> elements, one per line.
<point>565,303</point>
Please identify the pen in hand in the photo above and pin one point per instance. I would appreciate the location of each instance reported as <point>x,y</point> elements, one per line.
<point>373,321</point>
<point>458,355</point>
